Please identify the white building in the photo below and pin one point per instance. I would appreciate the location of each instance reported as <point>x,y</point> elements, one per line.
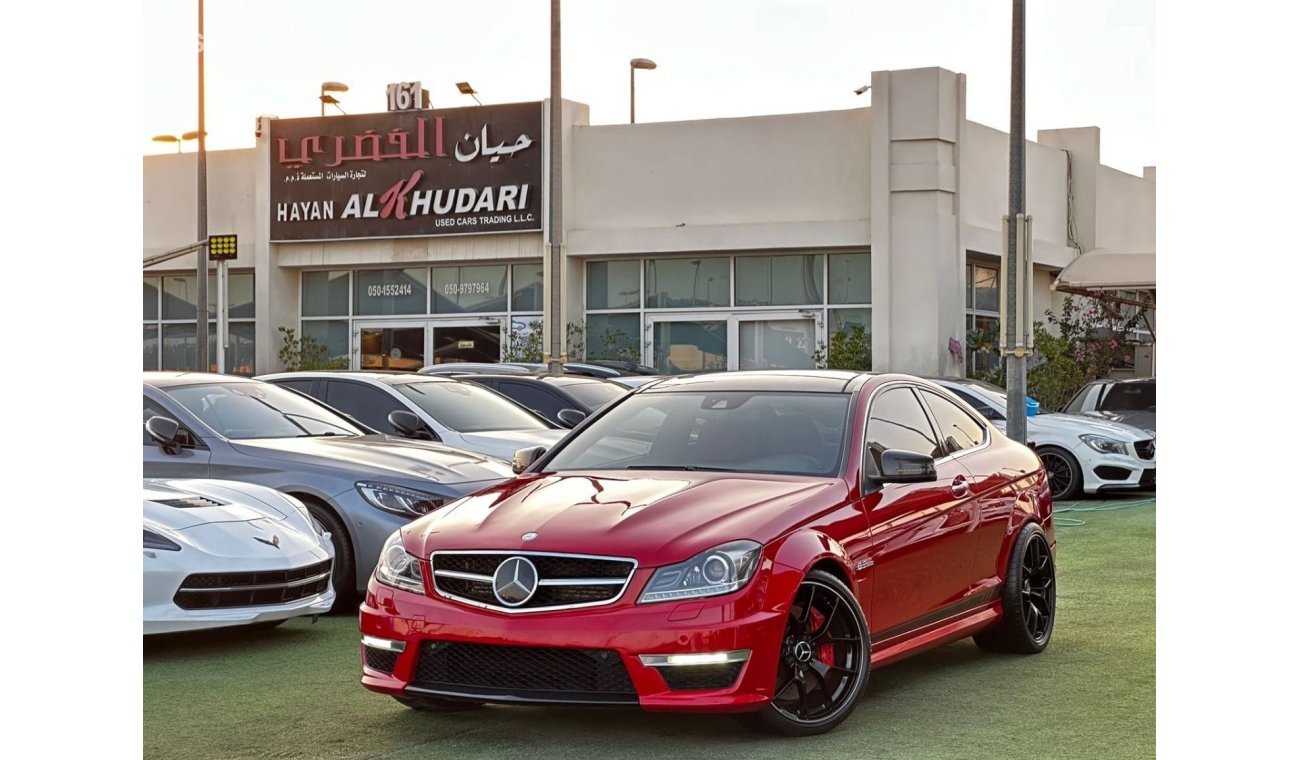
<point>713,244</point>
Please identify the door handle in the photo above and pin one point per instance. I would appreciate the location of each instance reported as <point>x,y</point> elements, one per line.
<point>960,488</point>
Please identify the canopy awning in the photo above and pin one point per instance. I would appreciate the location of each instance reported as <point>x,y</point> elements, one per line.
<point>1107,269</point>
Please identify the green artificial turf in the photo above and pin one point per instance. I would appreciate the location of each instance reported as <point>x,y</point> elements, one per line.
<point>294,692</point>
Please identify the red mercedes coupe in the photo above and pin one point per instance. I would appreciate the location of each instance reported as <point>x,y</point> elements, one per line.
<point>743,542</point>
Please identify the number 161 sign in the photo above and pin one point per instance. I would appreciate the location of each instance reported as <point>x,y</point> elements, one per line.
<point>407,96</point>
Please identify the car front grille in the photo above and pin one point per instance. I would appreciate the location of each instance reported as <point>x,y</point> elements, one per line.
<point>205,591</point>
<point>1148,478</point>
<point>513,673</point>
<point>564,580</point>
<point>380,659</point>
<point>1145,449</point>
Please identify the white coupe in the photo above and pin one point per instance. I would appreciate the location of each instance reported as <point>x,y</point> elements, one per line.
<point>219,553</point>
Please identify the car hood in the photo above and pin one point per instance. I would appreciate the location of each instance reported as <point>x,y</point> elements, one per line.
<point>1143,419</point>
<point>181,504</point>
<point>1079,424</point>
<point>381,455</point>
<point>655,518</point>
<point>504,443</point>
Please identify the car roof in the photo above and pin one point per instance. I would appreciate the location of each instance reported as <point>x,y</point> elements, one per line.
<point>166,379</point>
<point>817,381</point>
<point>387,377</point>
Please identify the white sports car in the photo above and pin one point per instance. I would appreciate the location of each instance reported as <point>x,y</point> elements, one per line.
<point>219,553</point>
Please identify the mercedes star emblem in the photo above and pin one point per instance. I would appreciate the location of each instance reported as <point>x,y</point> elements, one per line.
<point>515,581</point>
<point>529,536</point>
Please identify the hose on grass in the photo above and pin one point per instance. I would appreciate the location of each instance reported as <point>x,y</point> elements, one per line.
<point>1076,506</point>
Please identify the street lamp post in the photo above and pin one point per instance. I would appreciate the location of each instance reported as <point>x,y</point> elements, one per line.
<point>1012,343</point>
<point>330,99</point>
<point>633,65</point>
<point>555,260</point>
<point>201,296</point>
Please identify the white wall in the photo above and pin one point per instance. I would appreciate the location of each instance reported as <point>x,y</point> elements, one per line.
<point>171,205</point>
<point>758,182</point>
<point>1126,211</point>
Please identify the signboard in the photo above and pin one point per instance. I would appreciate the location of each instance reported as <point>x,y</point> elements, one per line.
<point>453,171</point>
<point>407,96</point>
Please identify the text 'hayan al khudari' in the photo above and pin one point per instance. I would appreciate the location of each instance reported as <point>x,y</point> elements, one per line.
<point>403,200</point>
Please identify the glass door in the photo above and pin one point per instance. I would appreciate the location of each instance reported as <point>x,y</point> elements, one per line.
<point>389,346</point>
<point>784,340</point>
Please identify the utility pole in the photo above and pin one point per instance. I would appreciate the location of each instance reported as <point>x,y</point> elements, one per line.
<point>201,307</point>
<point>555,270</point>
<point>1012,350</point>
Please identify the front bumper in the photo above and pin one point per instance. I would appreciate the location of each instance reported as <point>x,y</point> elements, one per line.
<point>1107,472</point>
<point>423,645</point>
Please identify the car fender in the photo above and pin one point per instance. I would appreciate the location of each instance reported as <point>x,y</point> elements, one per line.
<point>801,552</point>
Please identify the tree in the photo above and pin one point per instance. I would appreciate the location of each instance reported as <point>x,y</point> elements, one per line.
<point>849,350</point>
<point>306,353</point>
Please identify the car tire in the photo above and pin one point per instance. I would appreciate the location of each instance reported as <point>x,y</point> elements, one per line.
<point>344,577</point>
<point>1064,475</point>
<point>826,642</point>
<point>1028,598</point>
<point>434,704</point>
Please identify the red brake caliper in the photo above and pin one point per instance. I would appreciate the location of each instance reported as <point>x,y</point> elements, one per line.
<point>825,651</point>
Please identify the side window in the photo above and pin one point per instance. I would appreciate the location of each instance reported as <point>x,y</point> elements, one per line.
<point>369,405</point>
<point>977,404</point>
<point>152,409</point>
<point>302,386</point>
<point>1085,400</point>
<point>957,429</point>
<point>897,421</point>
<point>546,403</point>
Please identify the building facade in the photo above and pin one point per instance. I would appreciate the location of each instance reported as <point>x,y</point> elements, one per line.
<point>397,240</point>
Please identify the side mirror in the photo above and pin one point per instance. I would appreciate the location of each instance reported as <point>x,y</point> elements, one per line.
<point>898,466</point>
<point>411,426</point>
<point>570,417</point>
<point>524,458</point>
<point>166,431</point>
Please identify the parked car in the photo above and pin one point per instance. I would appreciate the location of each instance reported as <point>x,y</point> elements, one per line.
<point>752,542</point>
<point>358,485</point>
<point>1082,454</point>
<point>564,400</point>
<point>466,368</point>
<point>1132,402</point>
<point>625,368</point>
<point>636,381</point>
<point>462,415</point>
<point>220,553</point>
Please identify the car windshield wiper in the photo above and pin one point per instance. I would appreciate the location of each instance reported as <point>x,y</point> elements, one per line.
<point>686,467</point>
<point>320,435</point>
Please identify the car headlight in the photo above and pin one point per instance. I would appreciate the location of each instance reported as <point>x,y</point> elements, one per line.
<point>398,567</point>
<point>160,542</point>
<point>1103,444</point>
<point>401,501</point>
<point>719,570</point>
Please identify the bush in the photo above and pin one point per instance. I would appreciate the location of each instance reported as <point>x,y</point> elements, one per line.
<point>849,350</point>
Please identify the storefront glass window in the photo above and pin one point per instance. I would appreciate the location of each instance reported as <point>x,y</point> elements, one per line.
<point>151,301</point>
<point>778,280</point>
<point>180,294</point>
<point>613,284</point>
<point>241,349</point>
<point>690,346</point>
<point>178,346</point>
<point>843,320</point>
<point>687,283</point>
<point>151,346</point>
<point>391,291</point>
<point>239,293</point>
<point>332,333</point>
<point>983,290</point>
<point>469,289</point>
<point>850,278</point>
<point>527,287</point>
<point>325,294</point>
<point>614,336</point>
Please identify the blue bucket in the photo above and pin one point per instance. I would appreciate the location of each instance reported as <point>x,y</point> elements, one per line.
<point>1031,407</point>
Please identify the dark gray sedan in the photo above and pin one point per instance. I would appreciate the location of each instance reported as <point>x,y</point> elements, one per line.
<point>360,486</point>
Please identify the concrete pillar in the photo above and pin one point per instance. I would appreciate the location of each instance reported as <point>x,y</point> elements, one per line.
<point>917,259</point>
<point>1084,146</point>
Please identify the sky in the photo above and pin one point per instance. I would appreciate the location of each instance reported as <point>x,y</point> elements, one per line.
<point>1087,63</point>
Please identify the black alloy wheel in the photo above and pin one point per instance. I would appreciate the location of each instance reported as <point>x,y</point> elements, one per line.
<point>1064,476</point>
<point>1028,598</point>
<point>824,660</point>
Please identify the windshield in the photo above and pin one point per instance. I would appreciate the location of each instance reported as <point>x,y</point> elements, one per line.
<point>593,395</point>
<point>468,408</point>
<point>259,410</point>
<point>1129,397</point>
<point>733,431</point>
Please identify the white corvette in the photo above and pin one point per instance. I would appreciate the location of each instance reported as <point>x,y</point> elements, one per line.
<point>219,553</point>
